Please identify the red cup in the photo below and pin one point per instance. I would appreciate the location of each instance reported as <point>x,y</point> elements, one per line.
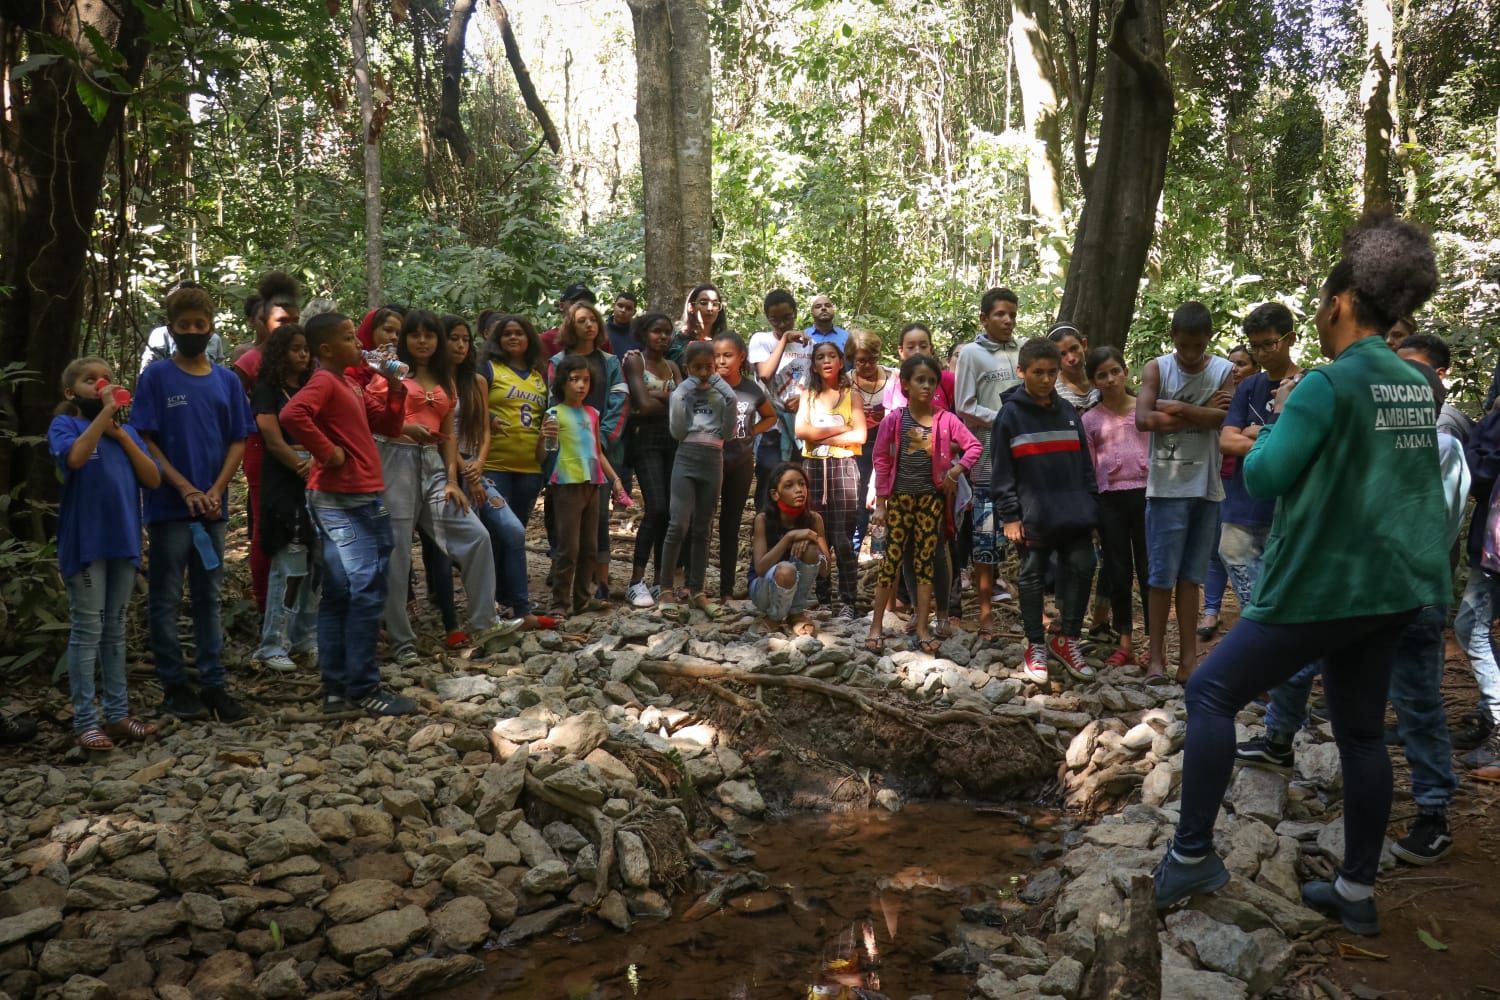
<point>121,394</point>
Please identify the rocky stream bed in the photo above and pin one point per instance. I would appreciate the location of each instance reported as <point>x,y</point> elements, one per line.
<point>562,779</point>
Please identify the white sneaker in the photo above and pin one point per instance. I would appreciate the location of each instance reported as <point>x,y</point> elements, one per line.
<point>999,594</point>
<point>639,595</point>
<point>281,663</point>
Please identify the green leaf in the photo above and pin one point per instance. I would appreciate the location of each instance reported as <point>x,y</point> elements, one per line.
<point>1430,941</point>
<point>95,100</point>
<point>35,61</point>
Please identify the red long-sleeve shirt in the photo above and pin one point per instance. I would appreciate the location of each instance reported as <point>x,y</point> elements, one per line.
<point>329,412</point>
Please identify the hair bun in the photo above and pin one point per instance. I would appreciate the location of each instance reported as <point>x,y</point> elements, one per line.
<point>1392,265</point>
<point>277,285</point>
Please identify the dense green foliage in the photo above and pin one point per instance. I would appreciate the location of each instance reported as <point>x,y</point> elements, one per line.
<point>872,150</point>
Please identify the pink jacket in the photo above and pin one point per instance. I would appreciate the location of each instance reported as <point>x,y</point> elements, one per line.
<point>947,430</point>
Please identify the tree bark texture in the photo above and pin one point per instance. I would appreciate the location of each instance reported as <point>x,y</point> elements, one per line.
<point>1036,68</point>
<point>1377,98</point>
<point>54,151</point>
<point>1119,212</point>
<point>450,124</point>
<point>359,33</point>
<point>674,111</point>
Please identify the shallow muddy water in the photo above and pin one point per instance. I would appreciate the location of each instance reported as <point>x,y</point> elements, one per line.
<point>857,901</point>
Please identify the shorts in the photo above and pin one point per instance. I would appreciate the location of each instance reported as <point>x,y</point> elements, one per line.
<point>1181,535</point>
<point>988,543</point>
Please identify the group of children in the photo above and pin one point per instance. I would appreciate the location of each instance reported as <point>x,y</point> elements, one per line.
<point>354,438</point>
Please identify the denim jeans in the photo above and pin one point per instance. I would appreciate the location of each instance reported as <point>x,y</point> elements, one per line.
<point>1287,709</point>
<point>778,603</point>
<point>1358,653</point>
<point>356,545</point>
<point>1075,568</point>
<point>507,539</point>
<point>172,555</point>
<point>1472,627</point>
<point>1240,549</point>
<point>1417,697</point>
<point>291,621</point>
<point>520,490</point>
<point>97,597</point>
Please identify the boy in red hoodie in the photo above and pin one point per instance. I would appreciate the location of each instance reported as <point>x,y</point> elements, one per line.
<point>333,420</point>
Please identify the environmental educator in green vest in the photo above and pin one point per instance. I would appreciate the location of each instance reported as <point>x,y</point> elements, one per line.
<point>1356,548</point>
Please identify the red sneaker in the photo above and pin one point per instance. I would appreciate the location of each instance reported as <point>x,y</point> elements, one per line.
<point>1068,651</point>
<point>1035,663</point>
<point>457,639</point>
<point>1119,658</point>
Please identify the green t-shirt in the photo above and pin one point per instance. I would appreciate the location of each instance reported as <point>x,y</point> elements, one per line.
<point>1353,465</point>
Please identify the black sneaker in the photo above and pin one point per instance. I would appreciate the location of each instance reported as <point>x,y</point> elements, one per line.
<point>1472,730</point>
<point>1358,916</point>
<point>847,613</point>
<point>383,701</point>
<point>15,730</point>
<point>1427,842</point>
<point>334,704</point>
<point>1265,754</point>
<point>184,704</point>
<point>1487,754</point>
<point>222,704</point>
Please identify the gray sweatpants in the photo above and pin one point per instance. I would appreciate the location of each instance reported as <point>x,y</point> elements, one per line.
<point>697,474</point>
<point>414,481</point>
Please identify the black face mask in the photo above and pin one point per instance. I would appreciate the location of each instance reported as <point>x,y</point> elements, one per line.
<point>190,345</point>
<point>90,408</point>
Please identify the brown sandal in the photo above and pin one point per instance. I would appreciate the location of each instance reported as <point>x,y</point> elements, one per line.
<point>124,730</point>
<point>94,739</point>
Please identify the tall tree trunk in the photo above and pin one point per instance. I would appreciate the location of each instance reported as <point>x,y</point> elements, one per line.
<point>1377,98</point>
<point>450,124</point>
<point>674,111</point>
<point>1119,213</point>
<point>1036,68</point>
<point>54,147</point>
<point>359,32</point>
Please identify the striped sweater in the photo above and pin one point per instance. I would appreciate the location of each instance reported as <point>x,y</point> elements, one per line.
<point>1042,475</point>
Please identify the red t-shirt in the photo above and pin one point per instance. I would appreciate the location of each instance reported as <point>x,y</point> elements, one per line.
<point>331,412</point>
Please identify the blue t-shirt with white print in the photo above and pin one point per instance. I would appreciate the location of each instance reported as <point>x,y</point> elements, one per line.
<point>195,419</point>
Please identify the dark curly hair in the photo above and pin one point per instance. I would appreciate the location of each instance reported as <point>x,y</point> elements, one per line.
<point>277,289</point>
<point>1389,266</point>
<point>275,357</point>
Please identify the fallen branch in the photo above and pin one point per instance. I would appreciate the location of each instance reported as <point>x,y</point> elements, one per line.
<point>602,824</point>
<point>737,700</point>
<point>293,718</point>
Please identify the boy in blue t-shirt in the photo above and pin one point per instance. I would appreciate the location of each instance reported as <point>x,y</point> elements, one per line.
<point>194,418</point>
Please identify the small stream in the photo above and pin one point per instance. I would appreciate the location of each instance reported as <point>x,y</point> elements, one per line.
<point>857,902</point>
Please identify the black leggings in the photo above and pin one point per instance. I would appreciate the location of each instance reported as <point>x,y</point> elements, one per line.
<point>1122,530</point>
<point>737,478</point>
<point>1255,657</point>
<point>652,450</point>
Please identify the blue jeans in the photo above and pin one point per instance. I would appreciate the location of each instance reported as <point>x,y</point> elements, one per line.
<point>520,490</point>
<point>290,625</point>
<point>172,554</point>
<point>1240,549</point>
<point>1218,579</point>
<point>1417,697</point>
<point>1472,627</point>
<point>97,597</point>
<point>356,544</point>
<point>507,538</point>
<point>1358,653</point>
<point>777,602</point>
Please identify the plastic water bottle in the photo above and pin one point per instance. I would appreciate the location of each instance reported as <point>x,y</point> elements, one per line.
<point>391,368</point>
<point>205,546</point>
<point>121,394</point>
<point>550,443</point>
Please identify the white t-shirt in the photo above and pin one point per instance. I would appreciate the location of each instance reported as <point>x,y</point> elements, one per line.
<point>791,371</point>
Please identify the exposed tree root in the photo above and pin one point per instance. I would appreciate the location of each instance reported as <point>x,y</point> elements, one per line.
<point>924,721</point>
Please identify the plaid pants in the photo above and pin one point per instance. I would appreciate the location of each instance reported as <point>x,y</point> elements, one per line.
<point>833,492</point>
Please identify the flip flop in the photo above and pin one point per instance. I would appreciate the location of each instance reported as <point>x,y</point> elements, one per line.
<point>985,635</point>
<point>94,739</point>
<point>669,610</point>
<point>708,607</point>
<point>929,646</point>
<point>1158,680</point>
<point>874,645</point>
